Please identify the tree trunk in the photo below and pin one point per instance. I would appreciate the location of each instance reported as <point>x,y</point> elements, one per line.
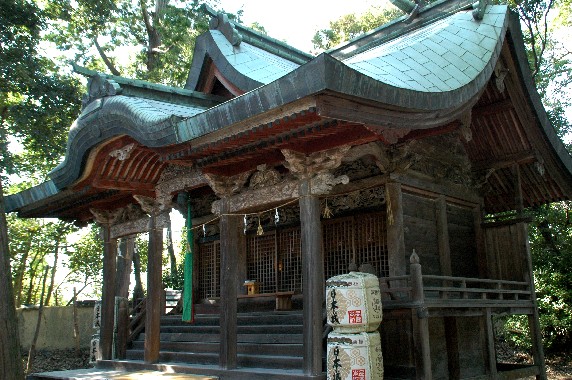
<point>32,351</point>
<point>53,275</point>
<point>19,275</point>
<point>138,290</point>
<point>171,250</point>
<point>10,357</point>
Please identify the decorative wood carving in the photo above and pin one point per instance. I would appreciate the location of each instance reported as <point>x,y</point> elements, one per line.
<point>124,153</point>
<point>106,217</point>
<point>374,197</point>
<point>500,74</point>
<point>223,24</point>
<point>305,166</point>
<point>264,177</point>
<point>176,178</point>
<point>151,205</point>
<point>392,135</point>
<point>322,183</point>
<point>465,130</point>
<point>226,186</point>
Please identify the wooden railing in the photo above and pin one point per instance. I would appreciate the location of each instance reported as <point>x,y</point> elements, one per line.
<point>137,323</point>
<point>433,291</point>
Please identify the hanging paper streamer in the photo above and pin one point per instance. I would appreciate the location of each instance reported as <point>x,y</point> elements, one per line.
<point>188,307</point>
<point>276,217</point>
<point>204,230</point>
<point>245,224</point>
<point>259,231</point>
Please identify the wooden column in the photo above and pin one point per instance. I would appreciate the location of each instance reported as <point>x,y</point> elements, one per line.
<point>155,289</point>
<point>230,229</point>
<point>443,236</point>
<point>491,357</point>
<point>124,261</point>
<point>105,219</point>
<point>395,237</point>
<point>108,293</point>
<point>420,322</point>
<point>313,282</point>
<point>154,292</point>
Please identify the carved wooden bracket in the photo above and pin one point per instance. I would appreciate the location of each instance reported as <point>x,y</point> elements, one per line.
<point>264,177</point>
<point>500,74</point>
<point>226,186</point>
<point>150,205</point>
<point>465,130</point>
<point>106,217</point>
<point>305,166</point>
<point>176,178</point>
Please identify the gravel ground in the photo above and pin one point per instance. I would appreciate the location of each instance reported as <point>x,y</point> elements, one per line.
<point>57,360</point>
<point>559,367</point>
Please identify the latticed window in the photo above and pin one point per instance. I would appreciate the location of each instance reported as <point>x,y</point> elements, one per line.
<point>209,270</point>
<point>261,261</point>
<point>274,259</point>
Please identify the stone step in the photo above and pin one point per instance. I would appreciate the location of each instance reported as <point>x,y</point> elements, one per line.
<point>241,338</point>
<point>243,348</point>
<point>241,329</point>
<point>278,318</point>
<point>244,360</point>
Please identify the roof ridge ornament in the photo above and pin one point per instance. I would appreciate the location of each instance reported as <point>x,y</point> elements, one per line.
<point>99,86</point>
<point>479,9</point>
<point>222,23</point>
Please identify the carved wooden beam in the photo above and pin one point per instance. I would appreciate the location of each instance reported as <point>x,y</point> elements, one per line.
<point>106,217</point>
<point>226,186</point>
<point>175,179</point>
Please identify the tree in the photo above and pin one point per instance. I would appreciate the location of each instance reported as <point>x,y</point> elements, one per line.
<point>160,34</point>
<point>352,25</point>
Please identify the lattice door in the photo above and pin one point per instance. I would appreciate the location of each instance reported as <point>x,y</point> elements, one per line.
<point>261,261</point>
<point>209,270</point>
<point>289,260</point>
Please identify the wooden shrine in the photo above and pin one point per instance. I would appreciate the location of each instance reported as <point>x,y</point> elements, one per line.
<point>425,134</point>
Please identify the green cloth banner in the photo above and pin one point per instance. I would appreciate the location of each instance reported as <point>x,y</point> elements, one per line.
<point>188,311</point>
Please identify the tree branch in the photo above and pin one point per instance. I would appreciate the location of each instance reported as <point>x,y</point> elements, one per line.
<point>106,59</point>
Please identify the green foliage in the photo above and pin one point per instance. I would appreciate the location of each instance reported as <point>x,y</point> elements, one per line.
<point>551,249</point>
<point>177,281</point>
<point>85,262</point>
<point>352,25</point>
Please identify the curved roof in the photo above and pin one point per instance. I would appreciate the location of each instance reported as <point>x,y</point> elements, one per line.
<point>390,84</point>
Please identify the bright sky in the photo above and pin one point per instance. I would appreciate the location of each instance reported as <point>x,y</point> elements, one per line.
<point>296,21</point>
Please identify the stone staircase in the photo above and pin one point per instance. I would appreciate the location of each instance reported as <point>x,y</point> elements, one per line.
<point>271,340</point>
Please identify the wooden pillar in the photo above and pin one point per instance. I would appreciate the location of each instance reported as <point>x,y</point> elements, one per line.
<point>313,278</point>
<point>533,319</point>
<point>154,292</point>
<point>230,230</point>
<point>491,357</point>
<point>420,322</point>
<point>124,261</point>
<point>443,236</point>
<point>395,236</point>
<point>108,293</point>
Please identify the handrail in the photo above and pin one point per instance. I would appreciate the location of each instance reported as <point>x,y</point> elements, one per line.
<point>416,290</point>
<point>137,323</point>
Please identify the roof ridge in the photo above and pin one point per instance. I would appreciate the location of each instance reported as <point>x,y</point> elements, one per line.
<point>424,16</point>
<point>265,42</point>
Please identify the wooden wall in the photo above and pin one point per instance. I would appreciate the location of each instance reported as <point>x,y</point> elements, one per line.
<point>420,232</point>
<point>506,252</point>
<point>460,224</point>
